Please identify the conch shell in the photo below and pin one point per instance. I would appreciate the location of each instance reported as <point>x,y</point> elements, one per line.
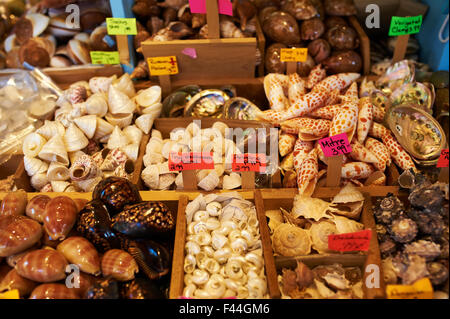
<point>117,139</point>
<point>55,151</point>
<point>290,240</point>
<point>57,172</point>
<point>119,102</point>
<point>87,124</point>
<point>97,104</point>
<point>32,144</point>
<point>34,165</point>
<point>74,139</point>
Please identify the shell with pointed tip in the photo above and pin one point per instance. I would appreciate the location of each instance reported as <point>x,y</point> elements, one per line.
<point>34,166</point>
<point>119,102</point>
<point>131,150</point>
<point>57,172</point>
<point>13,280</point>
<point>18,233</point>
<point>53,291</point>
<point>119,264</point>
<point>84,167</point>
<point>148,97</point>
<point>97,104</point>
<point>59,217</point>
<point>133,133</point>
<point>125,85</point>
<point>100,84</point>
<point>60,186</point>
<point>14,203</point>
<point>87,124</point>
<point>36,207</point>
<point>32,144</point>
<point>154,110</point>
<point>104,129</point>
<point>74,139</point>
<point>121,120</point>
<point>357,170</point>
<point>51,128</point>
<point>55,151</point>
<point>145,122</point>
<point>79,251</point>
<point>38,181</point>
<point>117,139</point>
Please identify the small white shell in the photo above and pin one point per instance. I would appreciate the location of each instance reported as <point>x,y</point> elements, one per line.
<point>189,264</point>
<point>254,259</point>
<point>97,104</point>
<point>150,176</point>
<point>203,239</point>
<point>233,269</point>
<point>189,291</point>
<point>201,294</point>
<point>229,293</point>
<point>120,119</point>
<point>51,128</point>
<point>57,172</point>
<point>192,248</point>
<point>87,124</point>
<point>200,277</point>
<point>148,97</point>
<point>32,144</point>
<point>231,284</point>
<point>222,255</point>
<point>104,129</point>
<point>34,165</point>
<point>156,133</point>
<point>214,208</point>
<point>212,223</point>
<point>154,145</point>
<point>212,265</point>
<point>210,182</point>
<point>234,234</point>
<point>145,122</point>
<point>133,134</point>
<point>202,215</point>
<point>179,181</point>
<point>188,279</point>
<point>125,85</point>
<point>218,240</point>
<point>54,150</point>
<point>232,181</point>
<point>215,286</point>
<point>152,159</point>
<point>257,288</point>
<point>59,186</point>
<point>74,139</point>
<point>119,102</point>
<point>239,245</point>
<point>39,180</point>
<point>117,139</point>
<point>242,292</point>
<point>131,150</point>
<point>88,185</point>
<point>193,129</point>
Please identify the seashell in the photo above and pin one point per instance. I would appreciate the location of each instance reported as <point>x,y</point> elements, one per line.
<point>51,128</point>
<point>125,85</point>
<point>59,217</point>
<point>74,139</point>
<point>32,144</point>
<point>202,215</point>
<point>239,245</point>
<point>233,269</point>
<point>345,225</point>
<point>189,264</point>
<point>83,168</point>
<point>87,124</point>
<point>79,251</point>
<point>53,291</point>
<point>212,223</point>
<point>131,150</point>
<point>47,187</point>
<point>35,208</point>
<point>189,291</point>
<point>59,186</point>
<point>210,182</point>
<point>133,134</point>
<point>192,248</point>
<point>57,172</point>
<point>117,139</point>
<point>13,280</point>
<point>154,110</point>
<point>39,23</point>
<point>232,181</point>
<point>76,94</point>
<point>148,97</point>
<point>119,264</point>
<point>289,240</point>
<point>255,259</point>
<point>39,181</point>
<point>14,204</point>
<point>42,265</point>
<point>214,209</point>
<point>348,194</point>
<point>101,84</point>
<point>218,240</point>
<point>150,176</point>
<point>121,119</point>
<point>97,104</point>
<point>88,185</point>
<point>119,102</point>
<point>104,129</point>
<point>103,289</point>
<point>257,288</point>
<point>145,122</point>
<point>200,277</point>
<point>203,238</point>
<point>78,52</point>
<point>215,287</point>
<point>17,233</point>
<point>319,233</point>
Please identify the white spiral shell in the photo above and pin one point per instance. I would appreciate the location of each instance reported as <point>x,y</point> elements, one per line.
<point>32,144</point>
<point>189,290</point>
<point>192,248</point>
<point>189,264</point>
<point>34,165</point>
<point>215,286</point>
<point>200,277</point>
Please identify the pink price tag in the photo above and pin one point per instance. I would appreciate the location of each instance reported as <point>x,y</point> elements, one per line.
<point>335,145</point>
<point>199,6</point>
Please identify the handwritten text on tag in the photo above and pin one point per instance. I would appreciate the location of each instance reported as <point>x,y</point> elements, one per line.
<point>443,159</point>
<point>249,162</point>
<point>335,145</point>
<point>163,65</point>
<point>357,241</point>
<point>294,55</point>
<point>190,161</point>
<point>121,26</point>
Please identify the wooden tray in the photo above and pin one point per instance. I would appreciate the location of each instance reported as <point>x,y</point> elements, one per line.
<point>177,280</point>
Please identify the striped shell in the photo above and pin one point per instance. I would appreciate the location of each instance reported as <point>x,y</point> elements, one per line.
<point>14,203</point>
<point>17,233</point>
<point>36,207</point>
<point>53,291</point>
<point>119,264</point>
<point>60,216</point>
<point>79,251</point>
<point>13,280</point>
<point>42,265</point>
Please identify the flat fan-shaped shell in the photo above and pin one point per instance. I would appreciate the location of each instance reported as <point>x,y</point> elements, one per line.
<point>232,181</point>
<point>289,240</point>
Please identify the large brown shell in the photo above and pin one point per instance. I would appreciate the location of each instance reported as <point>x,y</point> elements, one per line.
<point>342,62</point>
<point>14,281</point>
<point>36,207</point>
<point>80,203</point>
<point>119,264</point>
<point>300,9</point>
<point>272,59</point>
<point>42,265</point>
<point>342,37</point>
<point>81,252</point>
<point>282,27</point>
<point>59,217</point>
<point>340,7</point>
<point>18,233</point>
<point>14,203</point>
<point>319,50</point>
<point>53,291</point>
<point>33,53</point>
<point>13,259</point>
<point>312,29</point>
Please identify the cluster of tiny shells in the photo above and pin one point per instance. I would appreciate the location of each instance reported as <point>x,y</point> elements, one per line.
<point>223,254</point>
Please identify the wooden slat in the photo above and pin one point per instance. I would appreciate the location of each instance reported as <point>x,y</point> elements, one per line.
<point>347,260</point>
<point>261,41</point>
<point>364,44</point>
<point>136,178</point>
<point>271,273</point>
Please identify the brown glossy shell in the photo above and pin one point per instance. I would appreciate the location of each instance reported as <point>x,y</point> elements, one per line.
<point>14,281</point>
<point>79,251</point>
<point>59,217</point>
<point>119,264</point>
<point>33,53</point>
<point>282,27</point>
<point>13,259</point>
<point>80,203</point>
<point>43,265</point>
<point>14,203</point>
<point>36,207</point>
<point>342,62</point>
<point>272,59</point>
<point>312,29</point>
<point>300,9</point>
<point>84,282</point>
<point>18,233</point>
<point>53,291</point>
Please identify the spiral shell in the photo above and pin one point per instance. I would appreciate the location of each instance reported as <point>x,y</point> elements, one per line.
<point>55,151</point>
<point>222,255</point>
<point>57,172</point>
<point>83,168</point>
<point>97,105</point>
<point>79,251</point>
<point>74,139</point>
<point>131,150</point>
<point>200,277</point>
<point>40,181</point>
<point>100,84</point>
<point>50,129</point>
<point>34,165</point>
<point>32,144</point>
<point>133,133</point>
<point>53,291</point>
<point>119,264</point>
<point>289,240</point>
<point>119,102</point>
<point>121,120</point>
<point>189,290</point>
<point>87,124</point>
<point>148,97</point>
<point>17,233</point>
<point>189,264</point>
<point>125,85</point>
<point>117,139</point>
<point>35,208</point>
<point>14,203</point>
<point>13,280</point>
<point>42,265</point>
<point>104,129</point>
<point>145,122</point>
<point>319,235</point>
<point>59,217</point>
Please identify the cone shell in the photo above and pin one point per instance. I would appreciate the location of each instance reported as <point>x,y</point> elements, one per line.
<point>131,150</point>
<point>88,185</point>
<point>154,110</point>
<point>32,144</point>
<point>97,104</point>
<point>348,194</point>
<point>60,186</point>
<point>125,85</point>
<point>54,291</point>
<point>36,207</point>
<point>119,264</point>
<point>57,172</point>
<point>87,124</point>
<point>17,233</point>
<point>74,139</point>
<point>59,217</point>
<point>79,251</point>
<point>13,280</point>
<point>55,151</point>
<point>100,84</point>
<point>34,166</point>
<point>145,122</point>
<point>117,139</point>
<point>119,102</point>
<point>103,129</point>
<point>39,22</point>
<point>133,133</point>
<point>14,203</point>
<point>149,96</point>
<point>121,119</point>
<point>39,181</point>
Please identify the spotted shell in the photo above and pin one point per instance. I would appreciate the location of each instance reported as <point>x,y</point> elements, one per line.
<point>53,291</point>
<point>119,264</point>
<point>18,233</point>
<point>42,265</point>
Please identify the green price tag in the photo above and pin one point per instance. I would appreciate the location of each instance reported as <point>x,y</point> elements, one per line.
<point>405,25</point>
<point>121,26</point>
<point>105,57</point>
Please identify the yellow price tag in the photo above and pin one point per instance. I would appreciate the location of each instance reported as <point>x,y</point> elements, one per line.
<point>294,55</point>
<point>11,294</point>
<point>105,57</point>
<point>163,65</point>
<point>421,289</point>
<point>121,26</point>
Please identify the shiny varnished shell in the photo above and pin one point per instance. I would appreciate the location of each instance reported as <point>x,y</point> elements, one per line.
<point>14,203</point>
<point>144,219</point>
<point>414,93</point>
<point>59,217</point>
<point>53,291</point>
<point>80,203</point>
<point>153,258</point>
<point>18,233</point>
<point>206,103</point>
<point>79,251</point>
<point>238,108</point>
<point>13,259</point>
<point>141,288</point>
<point>106,288</point>
<point>43,265</point>
<point>282,27</point>
<point>115,193</point>
<point>84,282</point>
<point>119,264</point>
<point>36,207</point>
<point>14,281</point>
<point>94,223</point>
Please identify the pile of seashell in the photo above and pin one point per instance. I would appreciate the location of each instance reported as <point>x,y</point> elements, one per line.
<point>66,154</point>
<point>223,249</point>
<point>307,227</point>
<point>157,175</point>
<point>321,282</point>
<point>44,37</point>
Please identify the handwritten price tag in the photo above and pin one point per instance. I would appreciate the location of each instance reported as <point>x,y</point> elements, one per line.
<point>163,65</point>
<point>121,26</point>
<point>405,25</point>
<point>443,159</point>
<point>294,55</point>
<point>190,161</point>
<point>358,241</point>
<point>249,163</point>
<point>11,294</point>
<point>105,57</point>
<point>335,145</point>
<point>421,289</point>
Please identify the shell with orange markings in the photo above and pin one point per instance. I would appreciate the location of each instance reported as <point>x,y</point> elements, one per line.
<point>398,154</point>
<point>336,82</point>
<point>345,121</point>
<point>301,150</point>
<point>380,151</point>
<point>326,112</point>
<point>13,280</point>
<point>308,174</point>
<point>378,130</point>
<point>365,118</point>
<point>357,170</point>
<point>54,291</point>
<point>42,265</point>
<point>286,143</point>
<point>18,233</point>
<point>119,264</point>
<point>36,207</point>
<point>360,153</point>
<point>378,113</point>
<point>317,74</point>
<point>307,129</point>
<point>296,87</point>
<point>59,217</point>
<point>79,251</point>
<point>273,86</point>
<point>14,203</point>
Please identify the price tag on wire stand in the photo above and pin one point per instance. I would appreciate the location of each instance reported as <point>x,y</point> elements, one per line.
<point>105,57</point>
<point>249,163</point>
<point>121,26</point>
<point>190,161</point>
<point>293,55</point>
<point>405,25</point>
<point>163,65</point>
<point>357,241</point>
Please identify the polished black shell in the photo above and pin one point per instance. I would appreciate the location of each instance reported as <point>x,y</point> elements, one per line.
<point>141,288</point>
